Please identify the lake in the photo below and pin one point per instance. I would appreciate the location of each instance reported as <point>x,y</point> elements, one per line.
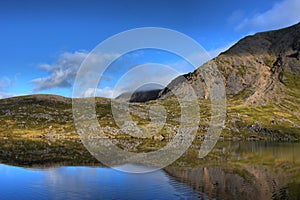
<point>89,183</point>
<point>234,170</point>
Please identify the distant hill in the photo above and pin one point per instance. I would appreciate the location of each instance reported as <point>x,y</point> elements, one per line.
<point>141,96</point>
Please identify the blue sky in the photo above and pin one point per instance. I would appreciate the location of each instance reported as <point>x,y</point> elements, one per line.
<point>42,43</point>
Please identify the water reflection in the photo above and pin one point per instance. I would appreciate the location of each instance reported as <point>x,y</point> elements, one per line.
<point>246,170</point>
<point>263,149</point>
<point>233,170</point>
<point>89,183</point>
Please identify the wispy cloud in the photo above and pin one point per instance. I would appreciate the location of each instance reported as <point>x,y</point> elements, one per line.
<point>101,92</point>
<point>5,84</point>
<point>282,14</point>
<point>61,73</point>
<point>64,70</point>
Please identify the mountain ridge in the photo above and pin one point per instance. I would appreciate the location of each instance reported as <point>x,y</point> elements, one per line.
<point>260,63</point>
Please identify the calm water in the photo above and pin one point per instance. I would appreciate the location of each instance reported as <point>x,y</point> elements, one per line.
<point>247,170</point>
<point>89,183</point>
<point>242,170</point>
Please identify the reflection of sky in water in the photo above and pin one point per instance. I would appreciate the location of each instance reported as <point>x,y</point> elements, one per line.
<point>89,183</point>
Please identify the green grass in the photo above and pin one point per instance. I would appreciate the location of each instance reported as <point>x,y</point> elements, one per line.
<point>27,124</point>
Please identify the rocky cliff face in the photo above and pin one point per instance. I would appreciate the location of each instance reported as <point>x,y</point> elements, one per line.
<point>259,68</point>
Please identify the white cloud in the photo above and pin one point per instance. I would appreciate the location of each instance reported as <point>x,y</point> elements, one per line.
<point>282,14</point>
<point>102,92</point>
<point>61,73</point>
<point>64,70</point>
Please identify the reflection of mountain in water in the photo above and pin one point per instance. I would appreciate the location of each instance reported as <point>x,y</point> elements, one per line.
<point>252,171</point>
<point>252,182</point>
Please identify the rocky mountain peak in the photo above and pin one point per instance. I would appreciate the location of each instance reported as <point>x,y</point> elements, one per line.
<point>259,68</point>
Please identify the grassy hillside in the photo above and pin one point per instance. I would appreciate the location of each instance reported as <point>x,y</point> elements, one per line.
<point>261,76</point>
